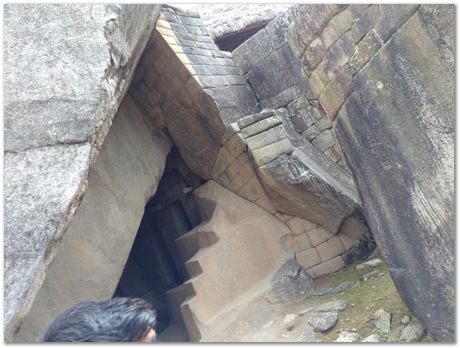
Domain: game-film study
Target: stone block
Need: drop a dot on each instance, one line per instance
(365, 49)
(235, 145)
(316, 84)
(338, 55)
(324, 141)
(223, 160)
(251, 119)
(307, 22)
(348, 242)
(307, 258)
(246, 172)
(235, 184)
(267, 81)
(296, 226)
(333, 154)
(391, 17)
(314, 54)
(330, 249)
(318, 235)
(260, 126)
(311, 133)
(365, 23)
(267, 137)
(265, 203)
(250, 52)
(268, 153)
(326, 267)
(336, 92)
(324, 123)
(252, 190)
(301, 242)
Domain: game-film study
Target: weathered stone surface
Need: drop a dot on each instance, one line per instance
(338, 306)
(330, 249)
(391, 17)
(308, 258)
(250, 246)
(268, 153)
(314, 54)
(303, 184)
(67, 68)
(65, 93)
(324, 141)
(267, 124)
(323, 321)
(412, 333)
(223, 20)
(341, 287)
(268, 82)
(381, 320)
(322, 291)
(365, 23)
(35, 217)
(294, 285)
(370, 263)
(374, 338)
(124, 177)
(336, 92)
(400, 122)
(348, 337)
(311, 133)
(365, 49)
(326, 267)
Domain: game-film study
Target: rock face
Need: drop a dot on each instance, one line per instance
(89, 262)
(223, 20)
(400, 121)
(300, 181)
(323, 321)
(67, 68)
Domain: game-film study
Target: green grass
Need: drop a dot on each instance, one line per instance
(364, 298)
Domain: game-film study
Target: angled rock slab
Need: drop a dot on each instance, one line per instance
(67, 68)
(397, 133)
(300, 181)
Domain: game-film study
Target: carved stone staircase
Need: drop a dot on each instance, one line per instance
(234, 254)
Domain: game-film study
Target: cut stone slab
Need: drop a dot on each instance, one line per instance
(348, 337)
(323, 321)
(338, 306)
(368, 264)
(374, 338)
(341, 287)
(369, 275)
(382, 320)
(412, 333)
(322, 291)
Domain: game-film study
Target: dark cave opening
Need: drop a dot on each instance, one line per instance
(154, 265)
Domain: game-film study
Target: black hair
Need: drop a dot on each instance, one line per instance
(121, 319)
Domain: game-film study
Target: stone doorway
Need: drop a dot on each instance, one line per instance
(154, 266)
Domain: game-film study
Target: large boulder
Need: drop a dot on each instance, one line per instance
(67, 68)
(397, 132)
(226, 19)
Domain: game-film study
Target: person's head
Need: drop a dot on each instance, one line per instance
(121, 319)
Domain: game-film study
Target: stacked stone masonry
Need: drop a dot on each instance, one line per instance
(343, 46)
(185, 76)
(273, 66)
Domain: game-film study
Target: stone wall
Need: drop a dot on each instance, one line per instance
(383, 74)
(183, 75)
(67, 68)
(270, 62)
